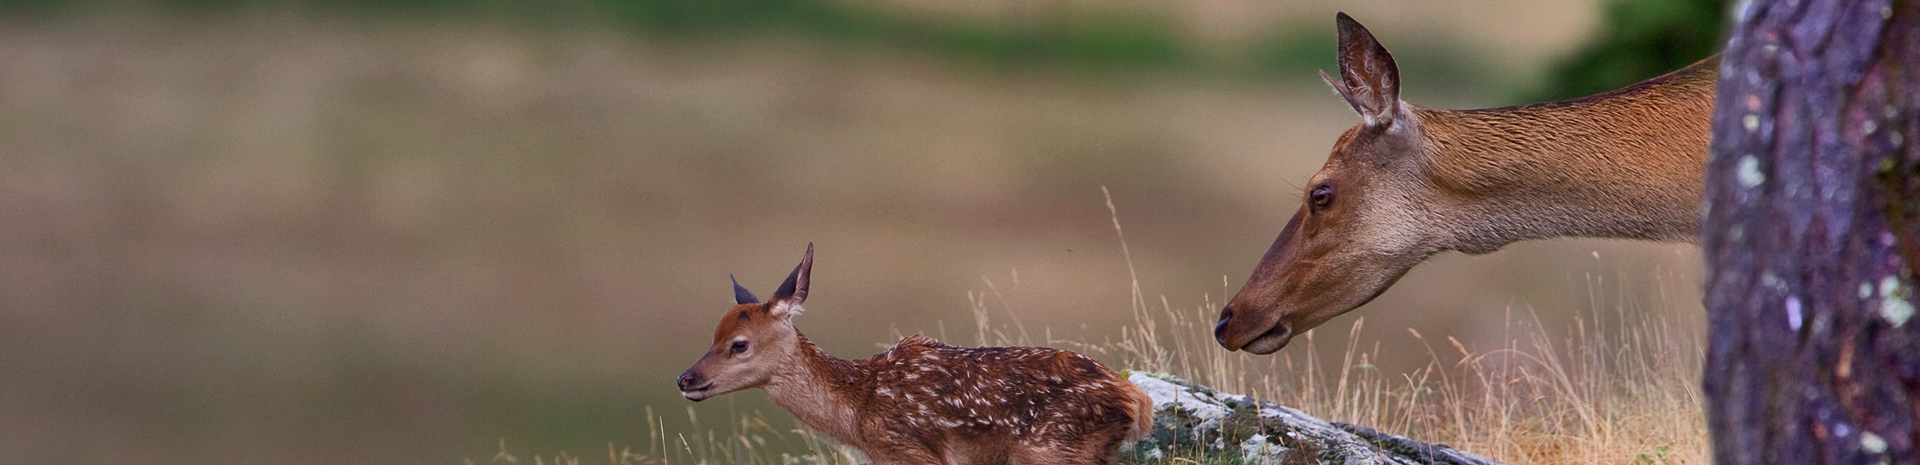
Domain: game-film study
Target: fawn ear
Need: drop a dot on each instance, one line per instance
(786, 301)
(1369, 80)
(740, 294)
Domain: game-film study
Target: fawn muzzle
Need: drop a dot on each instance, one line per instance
(694, 387)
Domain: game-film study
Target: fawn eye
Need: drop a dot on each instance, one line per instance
(738, 347)
(1321, 196)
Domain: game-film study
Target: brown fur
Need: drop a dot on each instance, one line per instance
(926, 402)
(1411, 182)
(1626, 164)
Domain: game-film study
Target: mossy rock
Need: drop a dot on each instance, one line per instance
(1197, 423)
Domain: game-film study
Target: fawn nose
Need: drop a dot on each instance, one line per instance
(1220, 329)
(688, 380)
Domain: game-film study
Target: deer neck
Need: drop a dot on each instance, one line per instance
(816, 388)
(1625, 164)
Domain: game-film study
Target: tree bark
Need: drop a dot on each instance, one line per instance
(1810, 235)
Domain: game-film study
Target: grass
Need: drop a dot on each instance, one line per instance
(1628, 396)
(1592, 397)
(1625, 394)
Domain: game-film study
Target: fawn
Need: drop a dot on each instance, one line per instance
(1410, 182)
(923, 402)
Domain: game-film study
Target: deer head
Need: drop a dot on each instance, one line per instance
(1409, 182)
(1350, 239)
(754, 339)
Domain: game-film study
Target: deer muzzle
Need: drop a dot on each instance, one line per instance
(1233, 334)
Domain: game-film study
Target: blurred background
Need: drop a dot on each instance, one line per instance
(359, 231)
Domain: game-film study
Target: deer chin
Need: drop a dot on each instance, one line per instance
(1271, 341)
(700, 393)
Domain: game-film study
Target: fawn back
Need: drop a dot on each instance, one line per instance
(922, 401)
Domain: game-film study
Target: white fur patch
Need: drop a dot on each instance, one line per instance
(787, 309)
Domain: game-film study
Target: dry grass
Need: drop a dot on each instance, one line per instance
(1619, 397)
(751, 440)
(1624, 394)
(1628, 394)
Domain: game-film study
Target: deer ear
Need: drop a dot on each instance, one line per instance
(1369, 79)
(786, 301)
(740, 294)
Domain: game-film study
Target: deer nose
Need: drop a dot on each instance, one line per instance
(688, 380)
(1220, 329)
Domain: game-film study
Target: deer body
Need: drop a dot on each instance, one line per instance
(1411, 182)
(923, 402)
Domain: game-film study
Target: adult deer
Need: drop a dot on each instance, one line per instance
(923, 402)
(1410, 182)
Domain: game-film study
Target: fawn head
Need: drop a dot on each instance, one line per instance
(753, 341)
(1358, 229)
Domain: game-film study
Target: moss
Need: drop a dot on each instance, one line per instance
(1898, 181)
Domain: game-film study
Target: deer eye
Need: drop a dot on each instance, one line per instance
(738, 347)
(1321, 196)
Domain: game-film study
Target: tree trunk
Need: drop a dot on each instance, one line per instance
(1810, 235)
